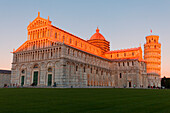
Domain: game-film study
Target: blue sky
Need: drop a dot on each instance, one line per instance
(124, 23)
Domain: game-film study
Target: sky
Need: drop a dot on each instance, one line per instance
(125, 23)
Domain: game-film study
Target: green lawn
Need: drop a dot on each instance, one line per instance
(27, 100)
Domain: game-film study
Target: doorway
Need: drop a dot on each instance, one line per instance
(35, 79)
(130, 84)
(49, 79)
(22, 80)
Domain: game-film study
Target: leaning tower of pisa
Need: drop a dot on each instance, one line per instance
(152, 56)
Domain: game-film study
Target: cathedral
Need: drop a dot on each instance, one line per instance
(52, 56)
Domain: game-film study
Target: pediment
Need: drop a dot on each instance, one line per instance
(38, 22)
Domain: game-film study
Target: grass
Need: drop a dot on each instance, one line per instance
(37, 100)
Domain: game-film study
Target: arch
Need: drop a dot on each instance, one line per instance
(36, 66)
(50, 64)
(23, 71)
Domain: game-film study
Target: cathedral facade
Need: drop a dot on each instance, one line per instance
(52, 56)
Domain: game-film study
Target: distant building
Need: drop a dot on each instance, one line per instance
(54, 56)
(5, 77)
(165, 82)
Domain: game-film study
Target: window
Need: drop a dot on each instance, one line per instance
(120, 75)
(76, 68)
(119, 63)
(132, 53)
(23, 71)
(123, 64)
(50, 69)
(155, 46)
(55, 35)
(111, 56)
(155, 41)
(101, 72)
(76, 43)
(63, 38)
(132, 63)
(117, 55)
(68, 51)
(70, 40)
(127, 63)
(124, 54)
(91, 70)
(84, 69)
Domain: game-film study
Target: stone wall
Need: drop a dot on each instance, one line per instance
(5, 79)
(73, 67)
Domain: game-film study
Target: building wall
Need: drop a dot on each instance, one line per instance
(133, 53)
(131, 71)
(68, 65)
(5, 79)
(154, 80)
(74, 67)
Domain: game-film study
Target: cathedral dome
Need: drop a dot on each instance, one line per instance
(97, 36)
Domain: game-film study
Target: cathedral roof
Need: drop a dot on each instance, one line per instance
(97, 36)
(123, 50)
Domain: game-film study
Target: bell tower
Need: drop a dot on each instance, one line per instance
(152, 57)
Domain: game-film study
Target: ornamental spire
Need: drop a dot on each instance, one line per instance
(97, 30)
(38, 14)
(48, 18)
(151, 31)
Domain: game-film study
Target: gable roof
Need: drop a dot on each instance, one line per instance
(38, 21)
